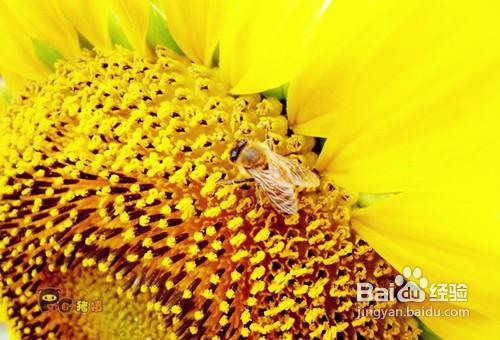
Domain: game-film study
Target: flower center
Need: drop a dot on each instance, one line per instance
(113, 175)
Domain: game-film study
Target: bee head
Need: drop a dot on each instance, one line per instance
(235, 152)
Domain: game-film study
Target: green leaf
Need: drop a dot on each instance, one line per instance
(46, 52)
(158, 32)
(427, 333)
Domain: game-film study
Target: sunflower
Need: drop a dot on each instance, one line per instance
(117, 123)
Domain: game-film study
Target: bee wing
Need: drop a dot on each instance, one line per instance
(279, 191)
(299, 175)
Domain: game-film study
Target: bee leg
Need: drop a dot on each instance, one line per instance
(269, 141)
(259, 199)
(238, 181)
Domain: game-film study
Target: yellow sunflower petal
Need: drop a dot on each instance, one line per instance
(90, 18)
(45, 21)
(17, 54)
(195, 26)
(473, 326)
(3, 314)
(265, 43)
(3, 100)
(6, 329)
(404, 99)
(452, 238)
(13, 81)
(134, 20)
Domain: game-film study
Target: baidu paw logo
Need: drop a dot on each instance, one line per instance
(407, 287)
(411, 291)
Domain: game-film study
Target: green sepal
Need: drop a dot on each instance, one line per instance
(279, 92)
(367, 199)
(116, 33)
(47, 53)
(319, 144)
(158, 32)
(84, 43)
(427, 333)
(5, 93)
(216, 56)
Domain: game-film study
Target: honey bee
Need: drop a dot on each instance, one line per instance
(276, 176)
